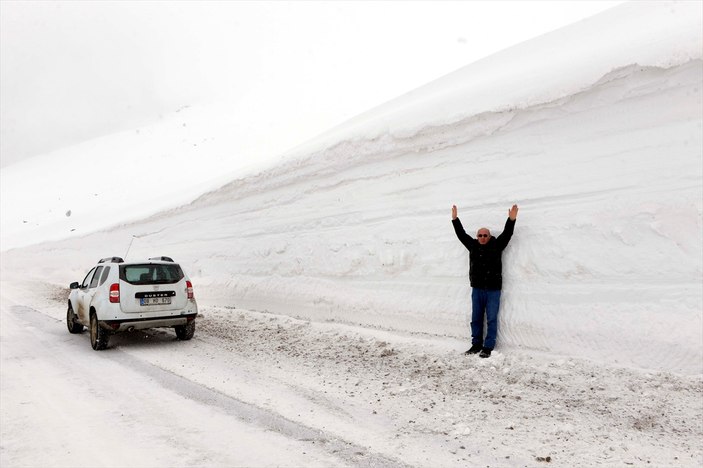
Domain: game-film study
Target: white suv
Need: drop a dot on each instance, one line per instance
(116, 296)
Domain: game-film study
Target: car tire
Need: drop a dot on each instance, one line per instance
(99, 338)
(73, 326)
(185, 332)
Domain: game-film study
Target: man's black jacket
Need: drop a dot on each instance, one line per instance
(485, 264)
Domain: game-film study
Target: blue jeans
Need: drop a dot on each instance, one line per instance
(484, 302)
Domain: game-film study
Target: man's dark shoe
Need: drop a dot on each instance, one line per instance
(485, 352)
(474, 349)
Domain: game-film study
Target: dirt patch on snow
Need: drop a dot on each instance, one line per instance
(518, 407)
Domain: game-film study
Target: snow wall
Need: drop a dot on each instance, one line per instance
(595, 131)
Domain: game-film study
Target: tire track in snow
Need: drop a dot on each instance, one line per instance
(351, 453)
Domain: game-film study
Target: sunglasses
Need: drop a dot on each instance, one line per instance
(482, 235)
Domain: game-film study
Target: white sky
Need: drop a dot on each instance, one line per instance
(71, 71)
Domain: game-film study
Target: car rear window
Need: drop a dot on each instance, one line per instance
(150, 273)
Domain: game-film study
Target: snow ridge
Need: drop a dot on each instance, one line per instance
(550, 67)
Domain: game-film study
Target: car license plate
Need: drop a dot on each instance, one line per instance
(146, 301)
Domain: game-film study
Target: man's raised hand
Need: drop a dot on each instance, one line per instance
(454, 214)
(512, 213)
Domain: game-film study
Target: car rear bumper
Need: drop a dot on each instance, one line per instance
(117, 326)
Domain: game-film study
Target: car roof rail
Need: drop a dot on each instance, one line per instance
(111, 260)
(162, 258)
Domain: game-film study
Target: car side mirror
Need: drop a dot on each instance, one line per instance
(75, 285)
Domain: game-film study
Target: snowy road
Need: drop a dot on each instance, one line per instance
(56, 395)
(256, 389)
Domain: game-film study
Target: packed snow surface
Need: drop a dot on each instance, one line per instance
(334, 277)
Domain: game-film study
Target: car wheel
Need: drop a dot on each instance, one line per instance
(73, 326)
(99, 338)
(185, 332)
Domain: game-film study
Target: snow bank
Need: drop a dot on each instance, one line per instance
(544, 69)
(605, 262)
(595, 132)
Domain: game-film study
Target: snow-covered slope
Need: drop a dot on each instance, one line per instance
(126, 176)
(595, 131)
(552, 66)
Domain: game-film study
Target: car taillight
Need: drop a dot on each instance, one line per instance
(115, 292)
(189, 290)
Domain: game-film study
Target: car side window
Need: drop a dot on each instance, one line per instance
(86, 280)
(96, 277)
(106, 271)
